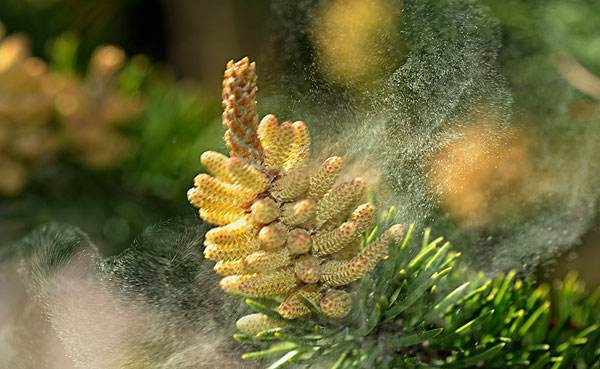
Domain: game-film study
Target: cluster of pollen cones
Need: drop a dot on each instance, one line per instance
(286, 229)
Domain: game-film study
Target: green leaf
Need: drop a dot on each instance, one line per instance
(479, 358)
(476, 292)
(541, 362)
(311, 305)
(588, 330)
(426, 235)
(269, 334)
(261, 308)
(451, 298)
(240, 337)
(338, 363)
(414, 339)
(422, 255)
(395, 295)
(284, 360)
(272, 351)
(374, 317)
(462, 329)
(531, 320)
(424, 281)
(373, 234)
(63, 53)
(416, 291)
(505, 284)
(439, 257)
(408, 236)
(539, 347)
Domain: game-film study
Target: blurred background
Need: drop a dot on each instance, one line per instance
(480, 119)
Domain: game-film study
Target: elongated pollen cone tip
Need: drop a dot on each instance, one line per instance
(233, 161)
(359, 182)
(269, 118)
(348, 228)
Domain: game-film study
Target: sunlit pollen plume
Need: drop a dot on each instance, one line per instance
(372, 173)
(482, 172)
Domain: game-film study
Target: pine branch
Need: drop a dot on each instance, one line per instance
(414, 312)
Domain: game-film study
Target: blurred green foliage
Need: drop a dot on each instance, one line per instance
(134, 23)
(115, 202)
(179, 124)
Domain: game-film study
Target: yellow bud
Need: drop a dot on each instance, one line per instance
(273, 236)
(299, 241)
(298, 212)
(285, 137)
(340, 273)
(308, 269)
(230, 251)
(264, 211)
(363, 216)
(216, 164)
(13, 49)
(339, 199)
(215, 208)
(220, 216)
(231, 233)
(291, 185)
(270, 284)
(267, 134)
(285, 232)
(239, 110)
(378, 249)
(336, 304)
(396, 232)
(247, 175)
(203, 200)
(294, 306)
(264, 261)
(325, 177)
(229, 267)
(300, 148)
(252, 324)
(107, 60)
(329, 242)
(349, 251)
(234, 194)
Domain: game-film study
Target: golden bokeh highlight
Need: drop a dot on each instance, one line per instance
(26, 136)
(44, 113)
(484, 172)
(357, 41)
(93, 111)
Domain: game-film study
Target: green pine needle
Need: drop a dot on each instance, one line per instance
(419, 309)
